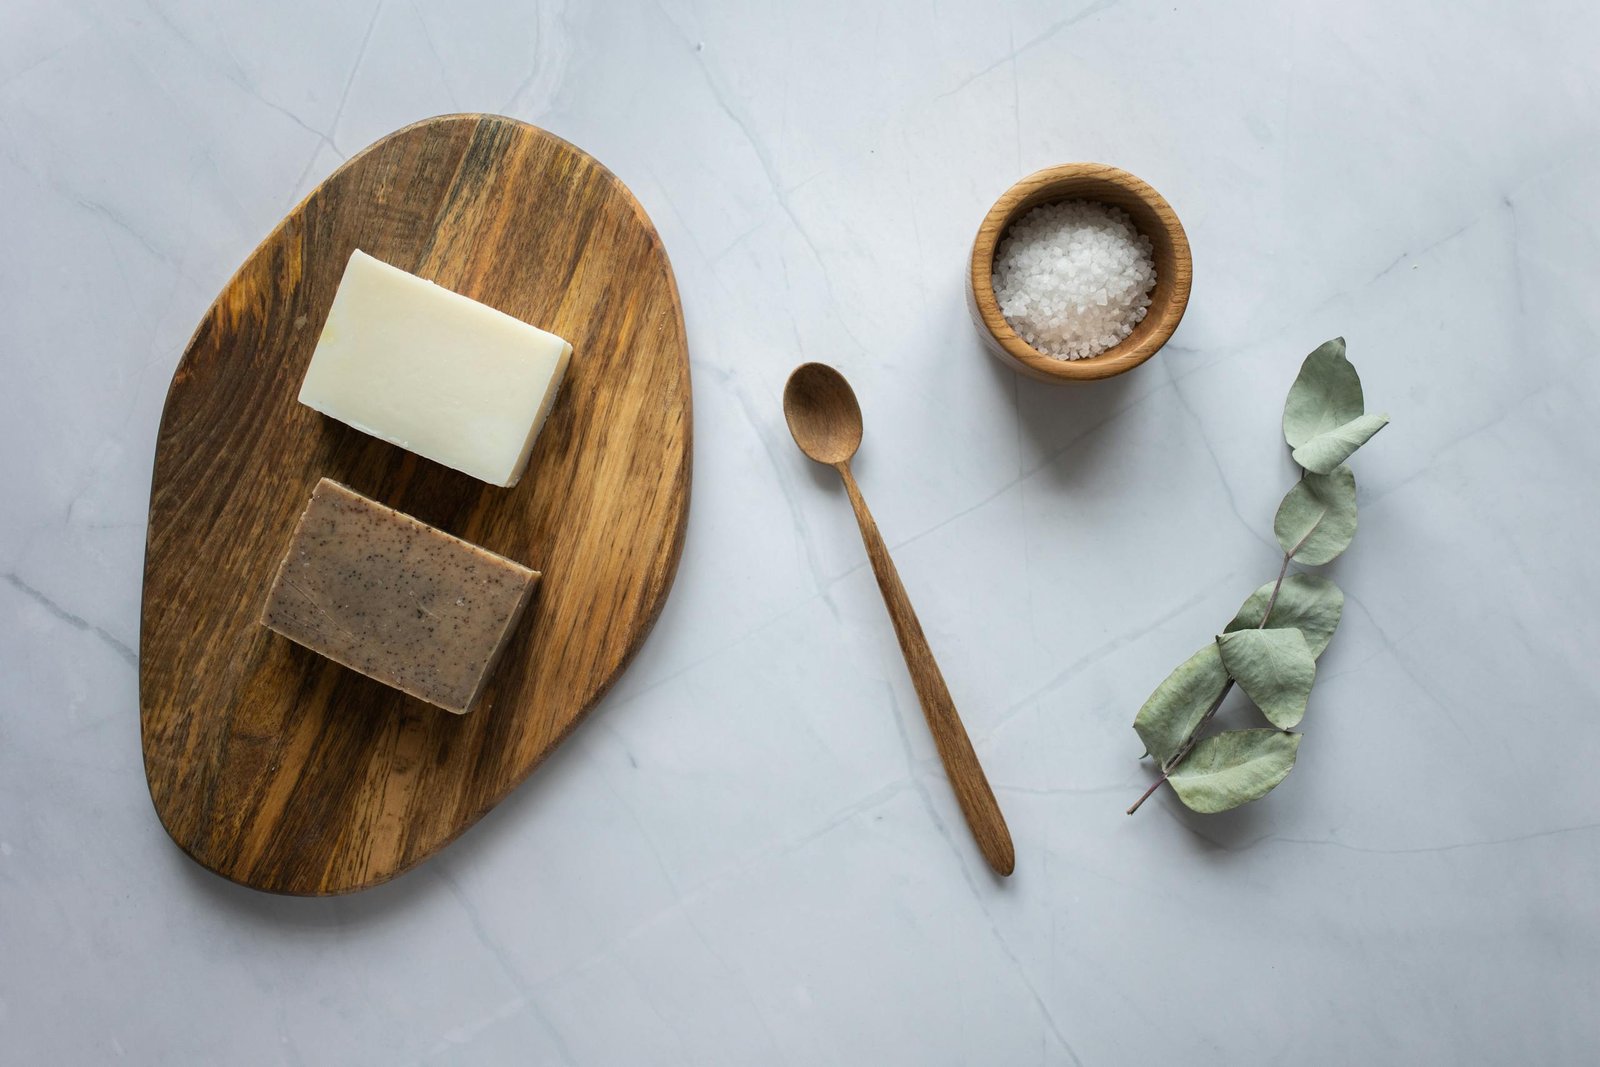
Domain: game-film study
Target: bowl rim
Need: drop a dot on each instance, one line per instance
(1117, 359)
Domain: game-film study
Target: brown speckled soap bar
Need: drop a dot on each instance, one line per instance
(396, 599)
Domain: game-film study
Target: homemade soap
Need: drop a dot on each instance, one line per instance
(396, 599)
(432, 371)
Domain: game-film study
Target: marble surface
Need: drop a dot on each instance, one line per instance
(749, 854)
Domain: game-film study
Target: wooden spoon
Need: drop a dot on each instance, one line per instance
(825, 420)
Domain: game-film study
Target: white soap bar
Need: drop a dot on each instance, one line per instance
(432, 371)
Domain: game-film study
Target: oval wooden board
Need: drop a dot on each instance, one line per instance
(277, 768)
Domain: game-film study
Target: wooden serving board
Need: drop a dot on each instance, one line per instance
(282, 770)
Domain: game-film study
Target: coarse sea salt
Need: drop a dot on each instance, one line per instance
(1073, 278)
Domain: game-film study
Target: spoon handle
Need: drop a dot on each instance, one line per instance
(955, 749)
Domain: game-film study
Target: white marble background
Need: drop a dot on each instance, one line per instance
(749, 854)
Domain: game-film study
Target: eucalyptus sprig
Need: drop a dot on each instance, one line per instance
(1270, 648)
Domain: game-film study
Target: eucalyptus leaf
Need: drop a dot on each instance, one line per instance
(1179, 703)
(1317, 518)
(1327, 450)
(1325, 395)
(1275, 669)
(1270, 648)
(1226, 770)
(1308, 602)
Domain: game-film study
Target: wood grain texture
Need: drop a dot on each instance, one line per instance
(277, 768)
(1153, 217)
(961, 764)
(825, 419)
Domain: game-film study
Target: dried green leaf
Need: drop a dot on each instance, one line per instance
(1317, 518)
(1275, 669)
(1179, 703)
(1327, 450)
(1308, 602)
(1229, 769)
(1325, 395)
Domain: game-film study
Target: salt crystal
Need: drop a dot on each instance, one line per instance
(1074, 278)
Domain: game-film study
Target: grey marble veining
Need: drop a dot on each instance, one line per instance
(749, 854)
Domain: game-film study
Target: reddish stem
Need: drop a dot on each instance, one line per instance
(1194, 735)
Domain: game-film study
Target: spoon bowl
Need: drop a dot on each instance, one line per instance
(822, 413)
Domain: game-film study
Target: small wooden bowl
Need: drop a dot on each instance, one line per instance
(1154, 218)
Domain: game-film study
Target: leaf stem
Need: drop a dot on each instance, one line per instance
(1283, 572)
(1194, 735)
(1184, 749)
(1148, 792)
